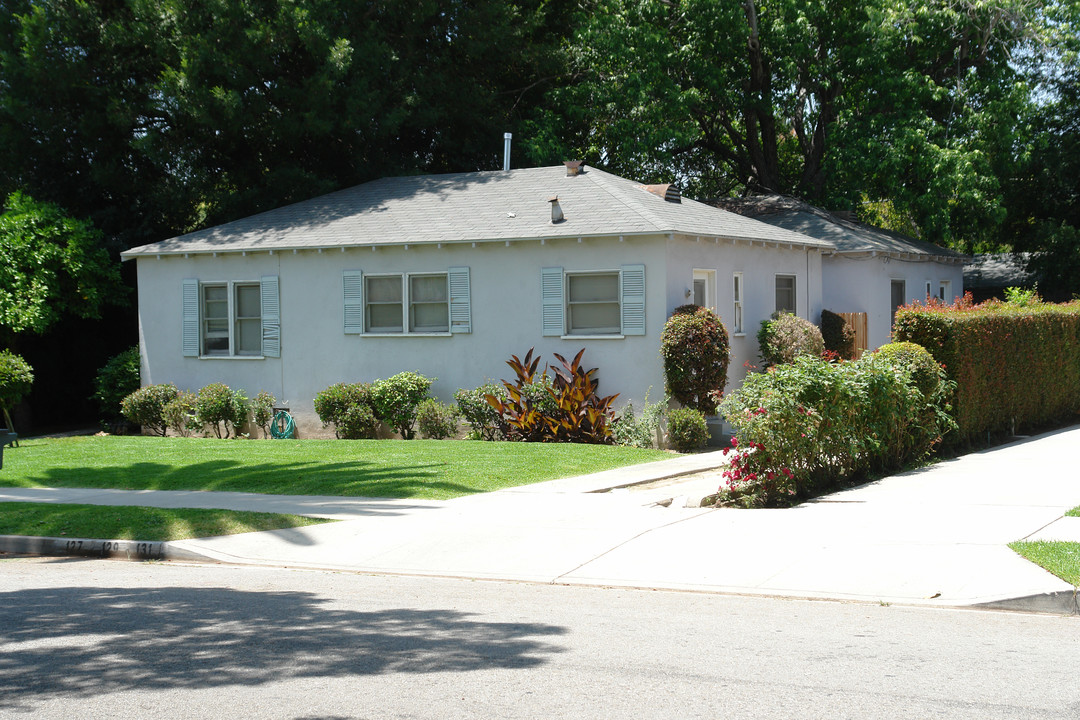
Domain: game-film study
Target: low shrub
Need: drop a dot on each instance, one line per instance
(395, 400)
(687, 429)
(437, 421)
(638, 431)
(223, 409)
(262, 411)
(339, 404)
(179, 414)
(567, 410)
(146, 406)
(478, 412)
(786, 337)
(837, 335)
(16, 379)
(1014, 365)
(357, 422)
(117, 379)
(695, 349)
(810, 424)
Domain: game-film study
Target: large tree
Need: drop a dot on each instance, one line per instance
(831, 100)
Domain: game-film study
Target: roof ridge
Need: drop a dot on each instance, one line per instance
(605, 181)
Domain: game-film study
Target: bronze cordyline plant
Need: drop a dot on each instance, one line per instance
(572, 411)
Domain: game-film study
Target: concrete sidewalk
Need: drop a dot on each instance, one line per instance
(936, 536)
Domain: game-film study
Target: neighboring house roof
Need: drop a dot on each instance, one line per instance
(849, 237)
(998, 270)
(474, 207)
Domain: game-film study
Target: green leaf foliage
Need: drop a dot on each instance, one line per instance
(786, 337)
(16, 378)
(222, 408)
(146, 407)
(262, 411)
(348, 407)
(437, 421)
(687, 429)
(117, 379)
(810, 424)
(478, 412)
(51, 265)
(1014, 366)
(695, 349)
(396, 399)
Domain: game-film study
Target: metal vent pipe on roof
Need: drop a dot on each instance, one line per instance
(556, 211)
(506, 151)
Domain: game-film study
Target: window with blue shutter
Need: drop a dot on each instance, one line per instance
(190, 326)
(460, 300)
(271, 316)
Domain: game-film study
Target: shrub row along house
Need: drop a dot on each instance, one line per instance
(448, 275)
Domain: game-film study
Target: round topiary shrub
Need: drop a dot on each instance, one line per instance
(16, 378)
(687, 429)
(695, 349)
(786, 337)
(358, 422)
(917, 361)
(146, 407)
(348, 407)
(179, 414)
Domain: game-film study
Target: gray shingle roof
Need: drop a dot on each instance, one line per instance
(847, 236)
(476, 207)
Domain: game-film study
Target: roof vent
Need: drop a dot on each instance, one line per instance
(556, 211)
(573, 167)
(666, 191)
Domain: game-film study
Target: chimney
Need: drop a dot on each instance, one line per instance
(506, 151)
(573, 167)
(556, 211)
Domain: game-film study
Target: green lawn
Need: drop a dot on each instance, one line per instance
(1060, 558)
(98, 522)
(430, 469)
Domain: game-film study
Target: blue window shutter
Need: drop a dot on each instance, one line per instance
(190, 302)
(460, 301)
(353, 285)
(271, 316)
(632, 286)
(551, 292)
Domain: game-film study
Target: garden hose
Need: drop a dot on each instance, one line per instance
(283, 426)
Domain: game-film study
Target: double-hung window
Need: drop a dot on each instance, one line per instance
(593, 303)
(231, 319)
(737, 310)
(429, 303)
(785, 294)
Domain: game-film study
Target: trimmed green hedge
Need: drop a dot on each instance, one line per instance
(1011, 364)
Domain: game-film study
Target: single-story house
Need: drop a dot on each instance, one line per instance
(449, 275)
(869, 270)
(987, 275)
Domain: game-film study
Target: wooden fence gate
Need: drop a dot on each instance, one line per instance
(857, 322)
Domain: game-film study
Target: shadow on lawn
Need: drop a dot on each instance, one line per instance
(348, 479)
(83, 642)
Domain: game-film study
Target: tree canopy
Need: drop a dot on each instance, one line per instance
(956, 121)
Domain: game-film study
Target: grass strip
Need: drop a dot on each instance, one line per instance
(111, 522)
(428, 469)
(1060, 558)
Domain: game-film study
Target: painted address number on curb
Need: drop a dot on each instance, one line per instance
(109, 548)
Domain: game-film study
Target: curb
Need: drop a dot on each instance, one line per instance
(86, 547)
(1062, 602)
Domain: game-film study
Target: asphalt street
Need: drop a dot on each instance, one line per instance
(102, 639)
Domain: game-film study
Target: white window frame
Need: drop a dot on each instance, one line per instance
(893, 282)
(615, 330)
(945, 291)
(554, 302)
(737, 303)
(929, 291)
(233, 319)
(794, 292)
(708, 278)
(407, 304)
